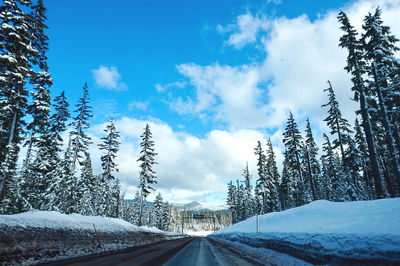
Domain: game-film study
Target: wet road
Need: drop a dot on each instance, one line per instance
(186, 251)
(202, 251)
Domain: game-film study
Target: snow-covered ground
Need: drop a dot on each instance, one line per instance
(37, 236)
(199, 233)
(56, 220)
(324, 231)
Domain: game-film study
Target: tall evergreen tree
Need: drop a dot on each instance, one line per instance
(312, 165)
(332, 171)
(15, 65)
(147, 177)
(110, 147)
(273, 173)
(356, 66)
(368, 184)
(54, 141)
(157, 219)
(262, 184)
(288, 185)
(86, 188)
(231, 201)
(40, 79)
(293, 144)
(337, 123)
(380, 47)
(248, 199)
(80, 123)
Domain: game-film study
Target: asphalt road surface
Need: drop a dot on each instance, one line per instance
(185, 252)
(202, 251)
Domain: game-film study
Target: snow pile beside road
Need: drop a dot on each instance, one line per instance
(38, 236)
(56, 220)
(325, 231)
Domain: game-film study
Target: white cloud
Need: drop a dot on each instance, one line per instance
(139, 105)
(188, 167)
(108, 78)
(176, 84)
(231, 94)
(300, 56)
(245, 29)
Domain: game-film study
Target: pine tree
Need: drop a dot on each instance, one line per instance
(380, 47)
(86, 188)
(313, 172)
(332, 172)
(157, 213)
(40, 79)
(115, 199)
(337, 123)
(248, 199)
(356, 66)
(231, 201)
(68, 199)
(273, 173)
(239, 203)
(368, 185)
(80, 123)
(293, 144)
(288, 186)
(354, 183)
(262, 184)
(110, 147)
(136, 209)
(166, 216)
(147, 175)
(56, 165)
(15, 65)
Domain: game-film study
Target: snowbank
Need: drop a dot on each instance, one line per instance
(39, 236)
(324, 231)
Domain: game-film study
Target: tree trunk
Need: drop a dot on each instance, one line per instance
(388, 130)
(369, 137)
(310, 175)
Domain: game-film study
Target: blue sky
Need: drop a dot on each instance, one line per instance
(214, 76)
(145, 41)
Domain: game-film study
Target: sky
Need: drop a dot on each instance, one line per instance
(211, 78)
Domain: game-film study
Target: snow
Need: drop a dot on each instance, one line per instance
(263, 255)
(199, 233)
(41, 236)
(360, 229)
(56, 220)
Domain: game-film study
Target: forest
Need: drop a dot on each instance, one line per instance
(355, 162)
(52, 176)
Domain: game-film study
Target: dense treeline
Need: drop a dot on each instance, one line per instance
(359, 162)
(52, 176)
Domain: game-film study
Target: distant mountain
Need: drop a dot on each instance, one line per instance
(193, 206)
(197, 206)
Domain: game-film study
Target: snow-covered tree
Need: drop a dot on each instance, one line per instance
(157, 219)
(80, 123)
(248, 200)
(16, 55)
(147, 177)
(356, 66)
(339, 126)
(274, 177)
(293, 144)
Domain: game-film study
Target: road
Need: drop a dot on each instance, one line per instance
(186, 251)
